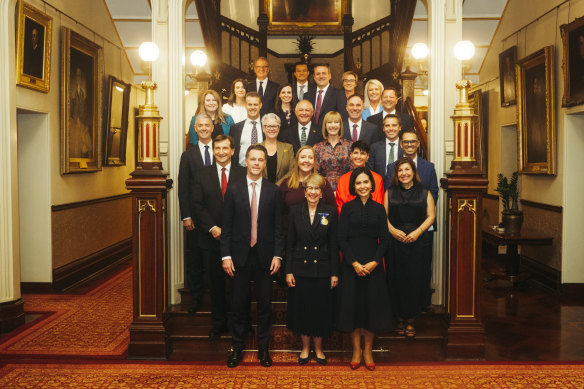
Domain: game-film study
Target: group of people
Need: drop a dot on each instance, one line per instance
(341, 206)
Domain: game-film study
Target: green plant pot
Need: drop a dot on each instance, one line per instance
(512, 222)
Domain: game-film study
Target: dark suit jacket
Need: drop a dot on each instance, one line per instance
(378, 158)
(427, 174)
(236, 230)
(312, 249)
(333, 100)
(290, 135)
(208, 202)
(368, 132)
(311, 89)
(377, 119)
(235, 132)
(270, 94)
(190, 166)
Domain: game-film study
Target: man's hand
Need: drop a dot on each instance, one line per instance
(275, 266)
(228, 267)
(216, 232)
(334, 281)
(290, 280)
(188, 224)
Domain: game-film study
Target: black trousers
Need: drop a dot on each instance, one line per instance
(194, 267)
(212, 261)
(241, 300)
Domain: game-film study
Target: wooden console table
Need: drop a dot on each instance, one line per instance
(512, 241)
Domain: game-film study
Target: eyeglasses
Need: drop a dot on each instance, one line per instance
(349, 80)
(271, 127)
(409, 142)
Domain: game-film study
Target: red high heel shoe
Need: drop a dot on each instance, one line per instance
(354, 365)
(370, 366)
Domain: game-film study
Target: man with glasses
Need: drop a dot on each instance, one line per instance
(349, 79)
(388, 150)
(264, 87)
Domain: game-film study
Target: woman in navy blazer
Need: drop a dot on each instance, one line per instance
(312, 268)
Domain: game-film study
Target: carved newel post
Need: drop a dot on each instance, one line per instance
(464, 185)
(149, 185)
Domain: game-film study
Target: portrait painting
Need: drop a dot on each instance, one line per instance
(291, 17)
(33, 48)
(573, 44)
(117, 122)
(507, 60)
(537, 131)
(81, 74)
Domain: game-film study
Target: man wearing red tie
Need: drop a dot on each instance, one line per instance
(251, 248)
(208, 193)
(325, 98)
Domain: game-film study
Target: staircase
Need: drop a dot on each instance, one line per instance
(188, 336)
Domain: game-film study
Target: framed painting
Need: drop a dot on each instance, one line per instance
(33, 52)
(81, 80)
(295, 17)
(116, 129)
(573, 43)
(536, 114)
(507, 60)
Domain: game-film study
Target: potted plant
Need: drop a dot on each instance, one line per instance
(305, 46)
(511, 215)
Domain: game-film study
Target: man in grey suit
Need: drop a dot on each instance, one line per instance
(355, 127)
(388, 150)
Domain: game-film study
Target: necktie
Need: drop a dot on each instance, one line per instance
(318, 105)
(261, 90)
(223, 182)
(391, 156)
(254, 216)
(207, 156)
(303, 137)
(355, 137)
(301, 94)
(254, 133)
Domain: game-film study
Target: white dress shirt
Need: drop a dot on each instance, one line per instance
(298, 89)
(258, 188)
(307, 126)
(264, 84)
(394, 112)
(350, 129)
(316, 95)
(245, 140)
(202, 148)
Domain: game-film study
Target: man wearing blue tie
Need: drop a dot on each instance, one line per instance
(191, 163)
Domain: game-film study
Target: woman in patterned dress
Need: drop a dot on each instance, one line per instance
(333, 153)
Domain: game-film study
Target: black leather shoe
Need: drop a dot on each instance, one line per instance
(303, 361)
(321, 361)
(264, 357)
(235, 357)
(216, 333)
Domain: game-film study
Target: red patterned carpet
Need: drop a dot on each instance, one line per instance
(91, 325)
(168, 375)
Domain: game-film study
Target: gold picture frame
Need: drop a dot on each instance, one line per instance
(536, 113)
(573, 44)
(117, 123)
(294, 17)
(33, 53)
(81, 83)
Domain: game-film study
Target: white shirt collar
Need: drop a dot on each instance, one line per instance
(307, 125)
(358, 123)
(258, 182)
(227, 167)
(323, 90)
(394, 112)
(387, 142)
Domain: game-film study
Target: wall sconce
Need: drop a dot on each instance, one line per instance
(464, 51)
(199, 60)
(420, 52)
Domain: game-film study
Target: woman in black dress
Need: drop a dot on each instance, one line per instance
(363, 295)
(410, 210)
(312, 267)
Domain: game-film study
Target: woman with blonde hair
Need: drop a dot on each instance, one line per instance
(372, 103)
(333, 153)
(209, 102)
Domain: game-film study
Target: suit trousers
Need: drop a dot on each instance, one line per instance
(212, 261)
(194, 267)
(241, 300)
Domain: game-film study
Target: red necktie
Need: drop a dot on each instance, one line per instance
(223, 182)
(254, 216)
(354, 133)
(318, 105)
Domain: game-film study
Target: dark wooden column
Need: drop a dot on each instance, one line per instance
(263, 22)
(347, 23)
(149, 185)
(465, 185)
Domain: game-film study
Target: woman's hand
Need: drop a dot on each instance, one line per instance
(399, 235)
(370, 266)
(360, 269)
(413, 236)
(334, 281)
(290, 280)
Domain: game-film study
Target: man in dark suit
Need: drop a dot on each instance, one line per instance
(301, 85)
(209, 188)
(388, 102)
(251, 247)
(325, 98)
(355, 128)
(263, 86)
(249, 131)
(388, 150)
(192, 162)
(305, 132)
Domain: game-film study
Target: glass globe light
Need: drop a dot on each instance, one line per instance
(148, 51)
(420, 51)
(464, 50)
(198, 58)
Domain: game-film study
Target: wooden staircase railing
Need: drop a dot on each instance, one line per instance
(239, 44)
(420, 131)
(370, 45)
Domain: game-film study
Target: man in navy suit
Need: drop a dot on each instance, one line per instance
(355, 128)
(388, 150)
(325, 98)
(210, 187)
(192, 162)
(251, 248)
(302, 85)
(263, 86)
(305, 131)
(389, 101)
(249, 131)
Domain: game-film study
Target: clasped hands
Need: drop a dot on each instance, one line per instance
(409, 238)
(364, 270)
